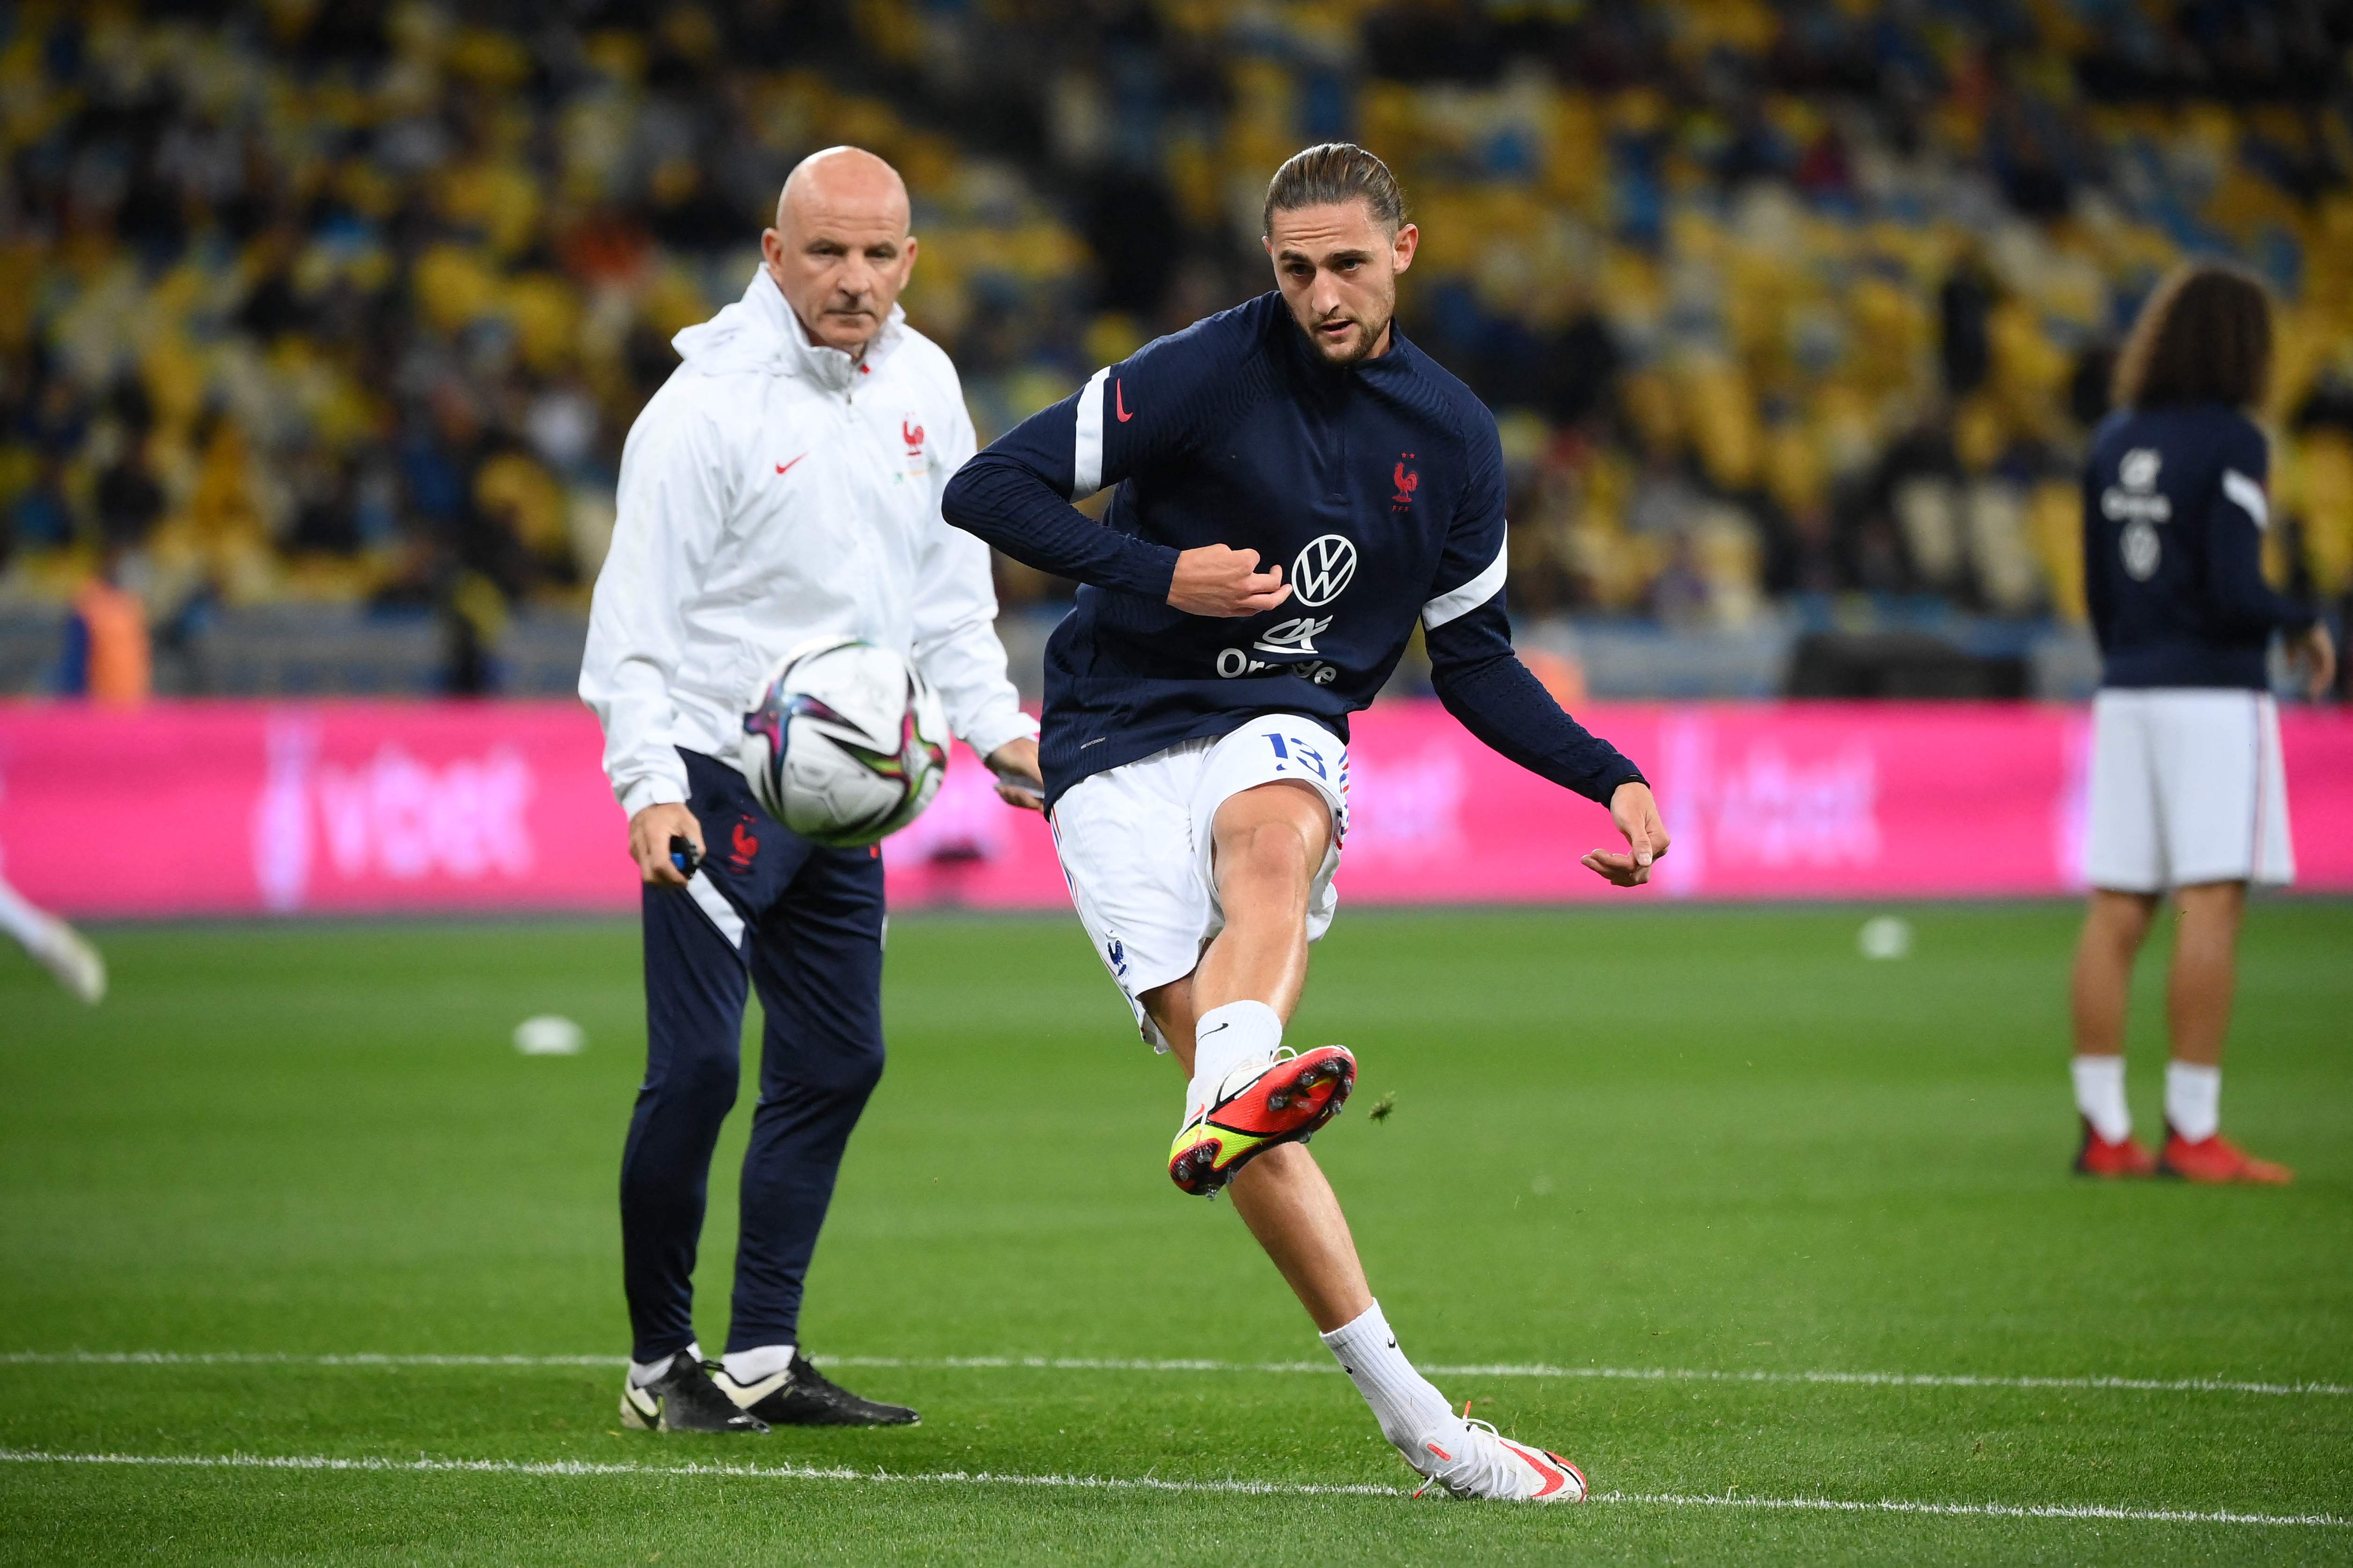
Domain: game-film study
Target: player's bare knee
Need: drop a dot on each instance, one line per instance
(1276, 832)
(1273, 850)
(2212, 900)
(2123, 918)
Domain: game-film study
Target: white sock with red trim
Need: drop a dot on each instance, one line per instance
(2193, 1099)
(1223, 1039)
(2100, 1096)
(1404, 1401)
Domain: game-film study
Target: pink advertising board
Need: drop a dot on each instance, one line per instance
(351, 807)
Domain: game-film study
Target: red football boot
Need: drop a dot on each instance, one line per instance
(2123, 1160)
(1259, 1105)
(2217, 1160)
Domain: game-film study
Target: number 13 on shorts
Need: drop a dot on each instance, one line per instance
(1290, 750)
(1295, 748)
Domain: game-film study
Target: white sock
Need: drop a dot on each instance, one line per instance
(2100, 1096)
(1403, 1401)
(21, 920)
(1223, 1039)
(2193, 1099)
(748, 1367)
(643, 1372)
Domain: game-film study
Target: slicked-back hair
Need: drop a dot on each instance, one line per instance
(2205, 336)
(1331, 174)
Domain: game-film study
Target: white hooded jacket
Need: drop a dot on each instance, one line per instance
(773, 492)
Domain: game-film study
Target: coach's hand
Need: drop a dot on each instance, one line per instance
(1216, 581)
(1637, 816)
(2316, 651)
(1019, 781)
(650, 832)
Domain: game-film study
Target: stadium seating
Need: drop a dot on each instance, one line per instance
(1789, 311)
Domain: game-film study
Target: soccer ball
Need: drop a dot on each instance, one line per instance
(844, 743)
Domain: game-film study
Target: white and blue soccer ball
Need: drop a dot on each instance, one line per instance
(845, 742)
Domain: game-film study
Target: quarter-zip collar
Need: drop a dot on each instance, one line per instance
(825, 365)
(1337, 381)
(759, 332)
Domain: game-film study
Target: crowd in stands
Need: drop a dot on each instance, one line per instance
(1779, 305)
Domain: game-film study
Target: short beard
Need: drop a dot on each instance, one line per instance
(1366, 341)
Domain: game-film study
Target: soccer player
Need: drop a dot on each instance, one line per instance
(1198, 702)
(782, 485)
(2186, 787)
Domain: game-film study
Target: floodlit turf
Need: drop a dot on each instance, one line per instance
(1696, 1140)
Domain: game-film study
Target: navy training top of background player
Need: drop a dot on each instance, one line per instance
(2174, 513)
(1378, 487)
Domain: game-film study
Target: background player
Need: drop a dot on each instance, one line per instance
(765, 500)
(1196, 706)
(2187, 791)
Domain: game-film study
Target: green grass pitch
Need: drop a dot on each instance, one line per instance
(1710, 1141)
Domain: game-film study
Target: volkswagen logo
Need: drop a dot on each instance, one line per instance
(1323, 569)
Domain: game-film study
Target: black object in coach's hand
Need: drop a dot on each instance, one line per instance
(684, 855)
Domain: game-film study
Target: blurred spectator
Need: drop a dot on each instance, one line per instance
(107, 656)
(129, 501)
(355, 301)
(1962, 304)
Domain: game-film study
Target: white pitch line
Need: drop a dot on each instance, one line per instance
(1983, 1510)
(1115, 1364)
(753, 1472)
(285, 1358)
(1228, 1487)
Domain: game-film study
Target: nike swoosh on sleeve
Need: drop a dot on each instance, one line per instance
(1119, 403)
(783, 467)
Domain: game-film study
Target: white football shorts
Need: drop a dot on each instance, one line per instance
(2186, 787)
(1136, 846)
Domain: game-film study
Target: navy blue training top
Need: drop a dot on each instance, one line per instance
(1377, 487)
(2174, 511)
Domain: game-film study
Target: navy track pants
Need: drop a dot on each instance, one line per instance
(802, 925)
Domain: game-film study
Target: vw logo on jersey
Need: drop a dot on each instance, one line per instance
(1323, 569)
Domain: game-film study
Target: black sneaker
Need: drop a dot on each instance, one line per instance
(683, 1399)
(800, 1395)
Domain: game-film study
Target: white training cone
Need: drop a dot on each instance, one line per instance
(550, 1034)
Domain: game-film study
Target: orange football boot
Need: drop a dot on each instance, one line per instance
(2217, 1160)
